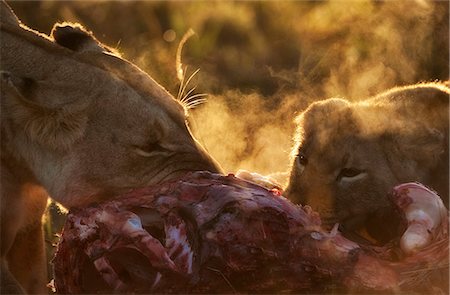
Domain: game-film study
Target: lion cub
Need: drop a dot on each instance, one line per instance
(348, 156)
(80, 124)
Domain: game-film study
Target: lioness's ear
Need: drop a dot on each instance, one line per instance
(56, 128)
(76, 38)
(7, 16)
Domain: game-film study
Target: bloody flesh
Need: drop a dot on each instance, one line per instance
(207, 233)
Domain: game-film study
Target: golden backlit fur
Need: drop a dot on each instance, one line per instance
(348, 156)
(80, 124)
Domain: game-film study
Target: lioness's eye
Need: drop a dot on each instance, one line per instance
(149, 150)
(153, 146)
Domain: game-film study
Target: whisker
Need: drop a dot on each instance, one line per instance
(193, 106)
(193, 98)
(187, 94)
(181, 87)
(195, 103)
(179, 64)
(179, 69)
(189, 80)
(185, 98)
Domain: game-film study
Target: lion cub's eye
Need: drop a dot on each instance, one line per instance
(301, 162)
(349, 173)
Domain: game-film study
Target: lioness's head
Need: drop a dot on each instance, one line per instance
(86, 122)
(348, 156)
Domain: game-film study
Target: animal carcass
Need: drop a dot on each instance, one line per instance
(207, 233)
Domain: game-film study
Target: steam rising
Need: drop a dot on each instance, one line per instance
(246, 132)
(353, 52)
(264, 62)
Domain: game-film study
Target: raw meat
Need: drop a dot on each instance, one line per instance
(207, 233)
(423, 214)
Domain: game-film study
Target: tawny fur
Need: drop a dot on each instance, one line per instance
(348, 156)
(79, 124)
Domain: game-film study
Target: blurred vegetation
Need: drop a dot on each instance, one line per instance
(263, 62)
(316, 47)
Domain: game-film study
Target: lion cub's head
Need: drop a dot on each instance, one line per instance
(86, 122)
(348, 156)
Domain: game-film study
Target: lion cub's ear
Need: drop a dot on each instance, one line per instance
(56, 127)
(76, 38)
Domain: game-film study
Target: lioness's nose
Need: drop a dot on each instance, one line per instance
(210, 163)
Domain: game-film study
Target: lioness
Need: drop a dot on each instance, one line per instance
(348, 156)
(80, 123)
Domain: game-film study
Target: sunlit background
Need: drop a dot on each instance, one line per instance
(261, 63)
